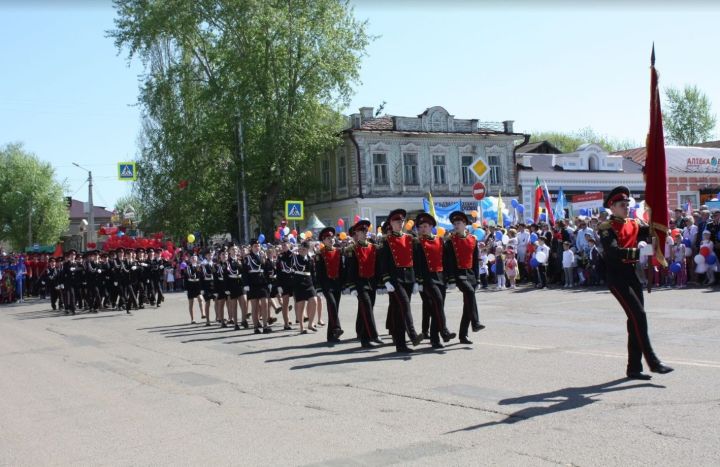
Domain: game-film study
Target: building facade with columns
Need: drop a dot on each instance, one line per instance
(590, 169)
(391, 162)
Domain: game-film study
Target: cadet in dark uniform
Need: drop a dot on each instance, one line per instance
(303, 288)
(192, 280)
(398, 275)
(428, 263)
(284, 274)
(257, 270)
(619, 236)
(329, 271)
(69, 279)
(460, 262)
(220, 286)
(93, 280)
(361, 267)
(127, 293)
(234, 270)
(206, 284)
(49, 280)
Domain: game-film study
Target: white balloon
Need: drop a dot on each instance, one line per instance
(490, 258)
(699, 259)
(540, 256)
(505, 239)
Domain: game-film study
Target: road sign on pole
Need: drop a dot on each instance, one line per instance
(127, 171)
(478, 190)
(479, 168)
(294, 210)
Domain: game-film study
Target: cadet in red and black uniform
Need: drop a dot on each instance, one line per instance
(460, 261)
(329, 272)
(360, 267)
(398, 275)
(428, 262)
(619, 236)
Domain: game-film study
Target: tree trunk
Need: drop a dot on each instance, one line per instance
(267, 210)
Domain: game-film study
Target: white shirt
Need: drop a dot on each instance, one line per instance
(568, 258)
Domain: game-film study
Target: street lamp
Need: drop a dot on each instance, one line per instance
(91, 214)
(29, 216)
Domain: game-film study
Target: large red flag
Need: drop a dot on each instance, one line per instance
(656, 170)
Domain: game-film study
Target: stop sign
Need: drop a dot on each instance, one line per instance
(478, 190)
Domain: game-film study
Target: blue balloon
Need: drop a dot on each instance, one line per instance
(543, 217)
(514, 204)
(687, 242)
(675, 268)
(529, 221)
(434, 230)
(711, 259)
(534, 263)
(293, 240)
(498, 235)
(583, 212)
(121, 233)
(480, 234)
(261, 238)
(533, 237)
(338, 228)
(520, 209)
(492, 268)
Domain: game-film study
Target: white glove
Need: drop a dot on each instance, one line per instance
(246, 288)
(451, 286)
(420, 288)
(353, 293)
(133, 268)
(115, 283)
(162, 267)
(389, 287)
(280, 291)
(346, 291)
(415, 289)
(269, 287)
(642, 245)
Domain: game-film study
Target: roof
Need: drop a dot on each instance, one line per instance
(385, 122)
(539, 147)
(708, 144)
(77, 211)
(543, 163)
(682, 158)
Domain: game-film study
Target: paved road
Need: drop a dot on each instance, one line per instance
(542, 385)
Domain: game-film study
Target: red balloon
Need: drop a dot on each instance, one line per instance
(357, 219)
(705, 251)
(294, 232)
(91, 245)
(277, 235)
(341, 222)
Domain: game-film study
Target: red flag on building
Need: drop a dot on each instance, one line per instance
(656, 170)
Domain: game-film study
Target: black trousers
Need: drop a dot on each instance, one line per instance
(54, 296)
(401, 320)
(433, 306)
(365, 321)
(332, 297)
(628, 291)
(69, 297)
(542, 275)
(127, 295)
(157, 290)
(470, 309)
(92, 296)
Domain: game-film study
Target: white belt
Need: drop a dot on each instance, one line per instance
(302, 273)
(255, 272)
(234, 276)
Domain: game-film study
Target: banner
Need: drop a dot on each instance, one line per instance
(442, 214)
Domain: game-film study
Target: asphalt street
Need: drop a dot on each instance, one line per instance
(543, 384)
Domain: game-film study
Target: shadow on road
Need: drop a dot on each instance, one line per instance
(561, 400)
(369, 356)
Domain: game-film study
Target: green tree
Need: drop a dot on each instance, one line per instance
(569, 142)
(280, 68)
(31, 201)
(687, 116)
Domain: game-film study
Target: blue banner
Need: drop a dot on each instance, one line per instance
(442, 214)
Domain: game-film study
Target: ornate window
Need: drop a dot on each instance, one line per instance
(342, 172)
(494, 159)
(380, 168)
(439, 169)
(325, 174)
(468, 177)
(410, 168)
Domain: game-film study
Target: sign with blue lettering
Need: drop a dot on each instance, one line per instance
(127, 171)
(294, 210)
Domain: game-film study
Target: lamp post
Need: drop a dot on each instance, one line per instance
(91, 214)
(29, 217)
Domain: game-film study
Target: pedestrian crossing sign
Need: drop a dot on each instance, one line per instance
(294, 210)
(127, 171)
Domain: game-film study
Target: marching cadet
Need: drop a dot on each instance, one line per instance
(398, 275)
(143, 277)
(111, 279)
(284, 274)
(361, 265)
(69, 279)
(257, 269)
(460, 262)
(619, 236)
(105, 279)
(329, 271)
(124, 271)
(234, 269)
(157, 267)
(50, 281)
(192, 278)
(206, 283)
(428, 263)
(221, 287)
(93, 278)
(303, 288)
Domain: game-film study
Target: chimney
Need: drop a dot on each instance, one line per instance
(366, 113)
(508, 126)
(355, 121)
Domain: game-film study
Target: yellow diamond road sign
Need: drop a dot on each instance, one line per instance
(479, 168)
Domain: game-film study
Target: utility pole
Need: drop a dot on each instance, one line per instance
(30, 222)
(241, 192)
(91, 214)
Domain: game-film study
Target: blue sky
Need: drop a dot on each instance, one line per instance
(67, 95)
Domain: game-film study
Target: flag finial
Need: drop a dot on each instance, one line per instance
(652, 55)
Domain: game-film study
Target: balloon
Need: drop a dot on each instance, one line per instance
(583, 212)
(687, 242)
(292, 239)
(91, 245)
(277, 235)
(514, 203)
(699, 259)
(476, 225)
(492, 268)
(286, 230)
(302, 236)
(342, 236)
(712, 259)
(480, 234)
(505, 239)
(474, 213)
(294, 232)
(183, 265)
(191, 238)
(520, 209)
(675, 268)
(705, 251)
(534, 263)
(121, 234)
(533, 237)
(541, 256)
(490, 258)
(340, 222)
(543, 217)
(441, 231)
(308, 234)
(357, 219)
(261, 238)
(498, 235)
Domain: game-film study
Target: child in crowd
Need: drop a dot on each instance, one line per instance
(483, 269)
(678, 256)
(709, 268)
(500, 268)
(568, 259)
(511, 267)
(593, 267)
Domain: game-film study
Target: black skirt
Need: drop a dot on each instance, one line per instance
(303, 289)
(193, 289)
(258, 291)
